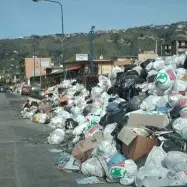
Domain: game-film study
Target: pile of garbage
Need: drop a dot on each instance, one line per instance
(130, 128)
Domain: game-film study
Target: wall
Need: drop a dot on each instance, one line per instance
(29, 66)
(143, 57)
(104, 69)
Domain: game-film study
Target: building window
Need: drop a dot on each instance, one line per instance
(179, 43)
(169, 47)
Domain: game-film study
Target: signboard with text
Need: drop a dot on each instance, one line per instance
(81, 57)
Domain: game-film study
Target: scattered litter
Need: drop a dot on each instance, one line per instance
(130, 126)
(88, 180)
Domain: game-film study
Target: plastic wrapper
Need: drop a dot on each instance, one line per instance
(56, 137)
(183, 102)
(92, 166)
(176, 161)
(115, 159)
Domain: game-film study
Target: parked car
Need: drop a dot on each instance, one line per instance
(25, 90)
(3, 89)
(36, 93)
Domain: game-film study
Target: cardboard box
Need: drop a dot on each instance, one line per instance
(136, 146)
(140, 147)
(46, 107)
(84, 148)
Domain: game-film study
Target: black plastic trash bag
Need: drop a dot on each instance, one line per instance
(143, 74)
(185, 64)
(145, 63)
(175, 112)
(151, 78)
(129, 67)
(109, 118)
(70, 124)
(127, 89)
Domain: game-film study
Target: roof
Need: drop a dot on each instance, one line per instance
(69, 69)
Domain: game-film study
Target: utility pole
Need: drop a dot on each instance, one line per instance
(92, 68)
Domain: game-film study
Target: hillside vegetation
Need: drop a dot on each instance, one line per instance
(108, 43)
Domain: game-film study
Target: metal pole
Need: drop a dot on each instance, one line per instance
(40, 76)
(91, 53)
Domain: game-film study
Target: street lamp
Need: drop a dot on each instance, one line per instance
(92, 50)
(62, 20)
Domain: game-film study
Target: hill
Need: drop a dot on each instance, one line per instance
(108, 43)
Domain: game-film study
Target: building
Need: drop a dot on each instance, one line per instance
(179, 46)
(30, 67)
(166, 49)
(147, 55)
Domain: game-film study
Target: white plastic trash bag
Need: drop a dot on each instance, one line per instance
(92, 167)
(104, 82)
(174, 99)
(180, 72)
(162, 102)
(149, 103)
(158, 64)
(96, 92)
(183, 113)
(125, 172)
(105, 148)
(165, 78)
(153, 169)
(56, 137)
(180, 126)
(76, 110)
(108, 130)
(176, 161)
(179, 86)
(43, 118)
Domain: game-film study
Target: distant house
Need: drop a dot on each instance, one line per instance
(179, 46)
(167, 49)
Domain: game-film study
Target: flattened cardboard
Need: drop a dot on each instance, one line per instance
(140, 120)
(127, 135)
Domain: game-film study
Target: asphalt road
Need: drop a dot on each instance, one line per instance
(24, 157)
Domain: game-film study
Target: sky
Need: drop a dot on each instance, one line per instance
(19, 18)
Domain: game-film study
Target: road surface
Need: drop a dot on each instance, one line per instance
(24, 157)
